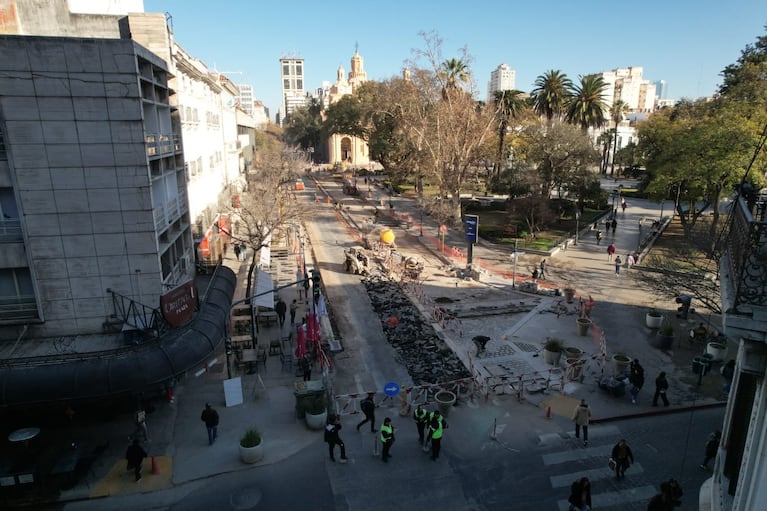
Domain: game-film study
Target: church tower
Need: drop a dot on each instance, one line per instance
(357, 75)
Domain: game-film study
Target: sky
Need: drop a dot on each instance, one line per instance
(686, 43)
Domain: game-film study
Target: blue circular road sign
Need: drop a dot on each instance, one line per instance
(391, 389)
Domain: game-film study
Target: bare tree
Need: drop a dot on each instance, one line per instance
(269, 205)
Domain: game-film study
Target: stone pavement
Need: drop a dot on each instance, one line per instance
(179, 440)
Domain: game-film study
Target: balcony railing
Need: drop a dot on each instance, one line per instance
(18, 308)
(747, 251)
(10, 231)
(160, 144)
(169, 212)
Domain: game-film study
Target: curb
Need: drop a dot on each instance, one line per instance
(661, 411)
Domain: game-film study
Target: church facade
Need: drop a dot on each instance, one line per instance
(348, 150)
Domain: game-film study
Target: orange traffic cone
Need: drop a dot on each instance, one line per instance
(155, 468)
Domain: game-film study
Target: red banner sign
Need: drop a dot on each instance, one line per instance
(179, 304)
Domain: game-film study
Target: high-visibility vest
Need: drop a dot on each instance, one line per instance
(384, 430)
(419, 415)
(437, 433)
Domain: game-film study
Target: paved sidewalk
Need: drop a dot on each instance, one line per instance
(178, 435)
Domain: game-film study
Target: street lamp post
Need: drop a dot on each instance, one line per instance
(514, 256)
(577, 221)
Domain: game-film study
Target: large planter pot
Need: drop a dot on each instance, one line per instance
(653, 321)
(569, 294)
(571, 352)
(445, 401)
(583, 326)
(620, 364)
(316, 421)
(717, 350)
(551, 357)
(252, 454)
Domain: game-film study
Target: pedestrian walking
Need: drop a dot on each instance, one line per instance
(306, 286)
(281, 308)
(135, 455)
(712, 446)
(543, 269)
(610, 251)
(237, 251)
(293, 309)
(535, 274)
(623, 458)
(210, 417)
(421, 417)
(599, 236)
(630, 261)
(437, 425)
(368, 407)
(580, 495)
(636, 378)
(623, 205)
(332, 430)
(614, 225)
(387, 439)
(581, 416)
(661, 386)
(618, 263)
(305, 364)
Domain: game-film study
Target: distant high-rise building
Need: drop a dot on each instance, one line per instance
(627, 85)
(292, 74)
(661, 89)
(502, 78)
(246, 97)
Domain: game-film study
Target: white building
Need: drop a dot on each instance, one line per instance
(628, 85)
(502, 78)
(292, 83)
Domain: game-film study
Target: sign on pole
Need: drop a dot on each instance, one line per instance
(472, 228)
(391, 389)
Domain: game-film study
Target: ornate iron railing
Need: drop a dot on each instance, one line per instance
(748, 250)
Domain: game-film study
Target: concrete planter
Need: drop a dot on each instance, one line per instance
(252, 454)
(653, 321)
(717, 350)
(620, 364)
(571, 352)
(316, 422)
(445, 401)
(582, 324)
(551, 357)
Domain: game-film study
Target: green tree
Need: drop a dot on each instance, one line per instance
(587, 106)
(304, 126)
(344, 117)
(551, 94)
(455, 73)
(508, 105)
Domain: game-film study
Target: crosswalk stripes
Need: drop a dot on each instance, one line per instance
(566, 456)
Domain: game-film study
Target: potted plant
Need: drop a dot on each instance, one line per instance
(251, 448)
(569, 294)
(654, 318)
(552, 350)
(316, 411)
(666, 335)
(621, 363)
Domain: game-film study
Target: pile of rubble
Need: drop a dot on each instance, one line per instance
(425, 356)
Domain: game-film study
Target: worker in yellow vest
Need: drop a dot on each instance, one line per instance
(387, 438)
(421, 417)
(437, 425)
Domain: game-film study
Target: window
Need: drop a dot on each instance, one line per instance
(299, 70)
(285, 69)
(3, 154)
(299, 84)
(286, 83)
(17, 296)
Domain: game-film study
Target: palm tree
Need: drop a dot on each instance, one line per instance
(587, 107)
(455, 72)
(551, 94)
(508, 104)
(617, 111)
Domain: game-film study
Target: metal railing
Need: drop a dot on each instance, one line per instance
(10, 231)
(747, 242)
(18, 308)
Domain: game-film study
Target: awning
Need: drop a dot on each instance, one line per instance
(264, 287)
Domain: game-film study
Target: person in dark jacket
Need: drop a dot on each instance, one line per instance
(332, 430)
(623, 458)
(135, 456)
(580, 495)
(421, 417)
(661, 386)
(712, 446)
(210, 417)
(368, 407)
(281, 308)
(636, 378)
